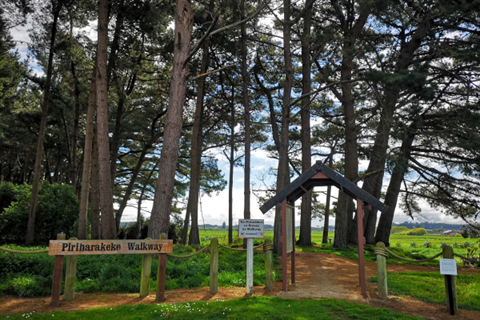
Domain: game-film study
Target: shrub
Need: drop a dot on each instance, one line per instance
(427, 244)
(57, 210)
(413, 244)
(7, 195)
(398, 244)
(443, 244)
(398, 230)
(417, 232)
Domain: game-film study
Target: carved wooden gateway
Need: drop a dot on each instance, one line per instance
(320, 175)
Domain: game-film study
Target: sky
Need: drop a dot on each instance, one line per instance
(214, 209)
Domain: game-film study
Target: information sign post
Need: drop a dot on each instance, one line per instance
(250, 229)
(448, 267)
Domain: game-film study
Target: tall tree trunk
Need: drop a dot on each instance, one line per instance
(87, 161)
(95, 191)
(246, 106)
(116, 137)
(232, 166)
(140, 199)
(343, 218)
(74, 144)
(111, 73)
(373, 184)
(197, 148)
(160, 217)
(283, 174)
(305, 238)
(326, 226)
(401, 167)
(30, 236)
(352, 24)
(131, 184)
(109, 230)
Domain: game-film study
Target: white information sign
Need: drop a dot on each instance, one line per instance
(251, 228)
(448, 267)
(289, 223)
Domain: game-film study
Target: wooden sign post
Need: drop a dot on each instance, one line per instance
(250, 229)
(57, 276)
(448, 267)
(72, 248)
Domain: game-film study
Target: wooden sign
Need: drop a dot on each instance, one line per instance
(251, 228)
(89, 247)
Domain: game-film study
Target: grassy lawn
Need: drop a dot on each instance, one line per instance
(430, 287)
(245, 308)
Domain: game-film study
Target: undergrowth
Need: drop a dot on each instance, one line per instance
(27, 275)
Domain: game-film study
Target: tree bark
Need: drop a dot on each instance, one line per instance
(246, 106)
(95, 192)
(283, 175)
(401, 167)
(305, 238)
(160, 217)
(109, 230)
(87, 161)
(30, 236)
(351, 32)
(232, 166)
(131, 183)
(197, 148)
(73, 152)
(326, 226)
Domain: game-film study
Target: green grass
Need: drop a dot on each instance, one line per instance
(245, 308)
(430, 287)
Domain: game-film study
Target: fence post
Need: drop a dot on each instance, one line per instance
(162, 273)
(214, 266)
(146, 270)
(450, 284)
(268, 264)
(70, 277)
(57, 276)
(382, 271)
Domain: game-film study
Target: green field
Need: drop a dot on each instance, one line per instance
(411, 246)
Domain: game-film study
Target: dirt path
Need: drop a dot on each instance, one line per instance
(319, 276)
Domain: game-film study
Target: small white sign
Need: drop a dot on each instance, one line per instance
(448, 267)
(251, 228)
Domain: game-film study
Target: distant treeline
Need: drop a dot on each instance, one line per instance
(214, 226)
(429, 225)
